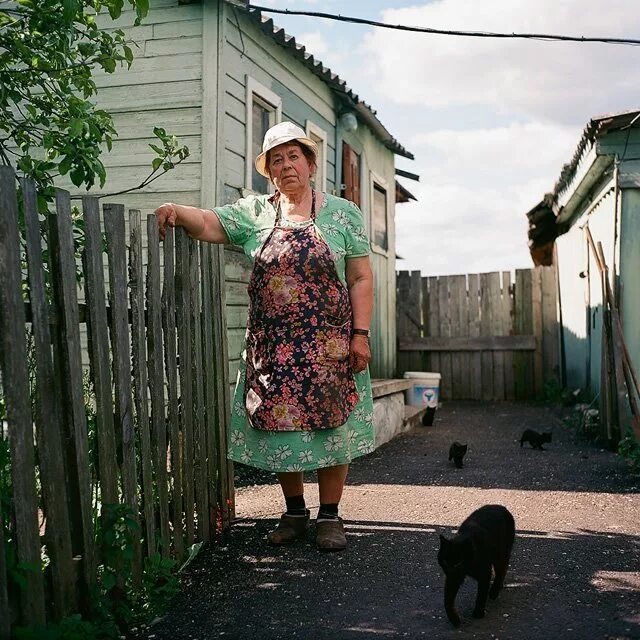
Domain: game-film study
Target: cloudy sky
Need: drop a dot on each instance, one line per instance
(491, 122)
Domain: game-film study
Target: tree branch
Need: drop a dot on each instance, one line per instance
(147, 181)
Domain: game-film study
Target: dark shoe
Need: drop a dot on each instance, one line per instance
(330, 535)
(289, 529)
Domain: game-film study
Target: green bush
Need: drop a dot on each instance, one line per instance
(629, 449)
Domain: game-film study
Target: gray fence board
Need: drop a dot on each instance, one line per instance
(15, 381)
(200, 448)
(524, 386)
(507, 329)
(140, 382)
(495, 329)
(445, 330)
(432, 317)
(209, 385)
(5, 614)
(48, 419)
(468, 344)
(183, 306)
(99, 350)
(156, 379)
(475, 359)
(65, 290)
(116, 249)
(171, 368)
(225, 466)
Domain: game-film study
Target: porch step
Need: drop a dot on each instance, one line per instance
(413, 415)
(386, 386)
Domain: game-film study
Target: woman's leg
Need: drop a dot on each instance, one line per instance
(331, 483)
(291, 483)
(294, 522)
(330, 534)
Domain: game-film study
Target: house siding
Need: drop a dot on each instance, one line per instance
(630, 271)
(581, 298)
(163, 88)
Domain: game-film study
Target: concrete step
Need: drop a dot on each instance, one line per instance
(386, 386)
(413, 415)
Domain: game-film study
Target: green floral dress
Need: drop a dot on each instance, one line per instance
(248, 222)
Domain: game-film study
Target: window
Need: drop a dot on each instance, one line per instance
(350, 174)
(379, 218)
(264, 109)
(319, 136)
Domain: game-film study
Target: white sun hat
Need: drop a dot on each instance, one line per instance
(279, 134)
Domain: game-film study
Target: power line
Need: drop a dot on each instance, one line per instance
(445, 32)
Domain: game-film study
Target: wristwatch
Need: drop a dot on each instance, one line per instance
(360, 332)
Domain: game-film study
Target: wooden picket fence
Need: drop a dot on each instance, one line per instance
(160, 396)
(489, 338)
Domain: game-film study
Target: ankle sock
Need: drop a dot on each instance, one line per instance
(328, 511)
(296, 506)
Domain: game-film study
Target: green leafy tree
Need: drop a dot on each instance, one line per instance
(49, 124)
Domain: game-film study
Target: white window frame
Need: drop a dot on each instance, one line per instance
(321, 174)
(374, 179)
(272, 102)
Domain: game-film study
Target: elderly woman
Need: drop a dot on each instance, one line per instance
(303, 397)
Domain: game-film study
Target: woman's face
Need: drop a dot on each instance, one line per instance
(289, 168)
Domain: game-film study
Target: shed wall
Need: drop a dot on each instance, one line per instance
(630, 272)
(581, 298)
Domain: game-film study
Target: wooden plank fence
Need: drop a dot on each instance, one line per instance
(490, 339)
(145, 426)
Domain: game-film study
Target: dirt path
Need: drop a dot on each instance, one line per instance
(575, 570)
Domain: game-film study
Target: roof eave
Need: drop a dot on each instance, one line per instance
(339, 86)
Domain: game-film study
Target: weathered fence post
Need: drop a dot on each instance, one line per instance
(64, 270)
(156, 379)
(139, 362)
(116, 249)
(15, 385)
(48, 420)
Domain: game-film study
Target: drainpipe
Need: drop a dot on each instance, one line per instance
(616, 235)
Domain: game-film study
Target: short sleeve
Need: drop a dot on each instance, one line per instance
(238, 219)
(357, 241)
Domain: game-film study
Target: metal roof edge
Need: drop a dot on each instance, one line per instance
(339, 86)
(596, 127)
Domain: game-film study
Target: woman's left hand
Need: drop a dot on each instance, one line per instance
(359, 353)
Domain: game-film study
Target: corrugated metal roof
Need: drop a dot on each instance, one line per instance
(596, 127)
(365, 111)
(543, 226)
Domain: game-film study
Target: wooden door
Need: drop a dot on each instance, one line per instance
(350, 174)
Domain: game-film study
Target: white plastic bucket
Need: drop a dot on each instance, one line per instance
(426, 389)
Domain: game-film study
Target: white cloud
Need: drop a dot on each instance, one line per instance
(314, 42)
(504, 154)
(475, 187)
(332, 55)
(563, 82)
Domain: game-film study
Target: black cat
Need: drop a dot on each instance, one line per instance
(456, 453)
(535, 439)
(484, 541)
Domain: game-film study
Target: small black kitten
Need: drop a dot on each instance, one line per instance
(456, 453)
(535, 439)
(483, 542)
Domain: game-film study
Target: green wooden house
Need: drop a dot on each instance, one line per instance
(218, 75)
(598, 190)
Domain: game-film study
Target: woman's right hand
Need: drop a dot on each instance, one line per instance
(166, 215)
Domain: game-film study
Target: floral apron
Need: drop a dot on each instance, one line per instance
(298, 376)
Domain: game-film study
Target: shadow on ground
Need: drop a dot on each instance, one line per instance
(389, 585)
(575, 570)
